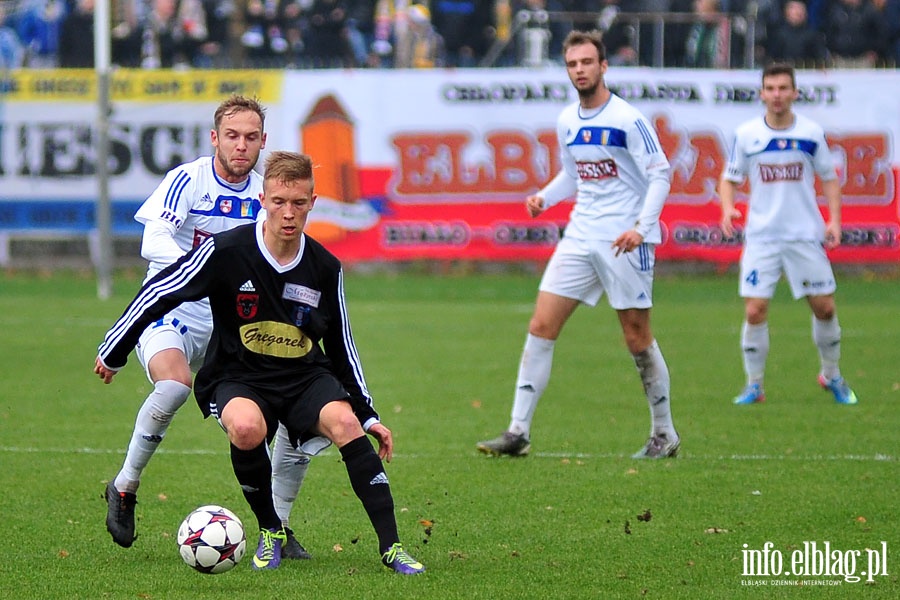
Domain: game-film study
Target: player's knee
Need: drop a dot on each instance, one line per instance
(168, 397)
(543, 329)
(246, 434)
(756, 314)
(339, 423)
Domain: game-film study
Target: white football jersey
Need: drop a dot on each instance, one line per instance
(781, 165)
(195, 203)
(612, 154)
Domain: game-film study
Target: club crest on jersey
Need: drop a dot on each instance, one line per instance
(302, 294)
(247, 305)
(782, 144)
(225, 206)
(586, 135)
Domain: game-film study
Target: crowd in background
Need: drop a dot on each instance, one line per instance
(449, 33)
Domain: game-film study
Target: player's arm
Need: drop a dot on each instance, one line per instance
(732, 177)
(564, 185)
(337, 341)
(727, 189)
(832, 191)
(823, 162)
(186, 280)
(163, 213)
(558, 189)
(644, 147)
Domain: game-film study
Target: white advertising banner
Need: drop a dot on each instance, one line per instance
(426, 163)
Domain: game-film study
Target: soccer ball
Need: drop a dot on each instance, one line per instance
(211, 539)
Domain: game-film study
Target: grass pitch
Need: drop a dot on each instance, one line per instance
(576, 519)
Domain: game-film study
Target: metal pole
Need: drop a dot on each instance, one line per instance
(103, 254)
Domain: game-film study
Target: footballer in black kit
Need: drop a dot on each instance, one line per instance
(281, 350)
(268, 323)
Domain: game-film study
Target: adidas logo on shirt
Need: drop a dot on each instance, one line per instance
(248, 287)
(380, 478)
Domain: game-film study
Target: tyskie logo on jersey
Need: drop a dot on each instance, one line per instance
(247, 305)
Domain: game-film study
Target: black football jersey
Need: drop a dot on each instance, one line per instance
(273, 325)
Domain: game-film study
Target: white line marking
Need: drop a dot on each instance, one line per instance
(555, 455)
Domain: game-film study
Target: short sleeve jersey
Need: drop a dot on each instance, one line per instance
(612, 155)
(781, 165)
(197, 203)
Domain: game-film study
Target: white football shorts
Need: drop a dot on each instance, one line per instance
(804, 264)
(584, 270)
(186, 328)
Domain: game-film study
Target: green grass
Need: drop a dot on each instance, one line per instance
(441, 356)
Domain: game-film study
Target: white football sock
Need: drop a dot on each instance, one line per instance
(827, 336)
(654, 374)
(755, 349)
(150, 427)
(534, 374)
(289, 467)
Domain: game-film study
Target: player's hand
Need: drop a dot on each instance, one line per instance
(726, 223)
(105, 374)
(385, 441)
(627, 242)
(832, 235)
(534, 205)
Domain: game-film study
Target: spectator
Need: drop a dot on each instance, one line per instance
(422, 47)
(538, 30)
(167, 36)
(853, 34)
(361, 29)
(889, 11)
(215, 50)
(618, 36)
(707, 40)
(38, 27)
(794, 41)
(676, 34)
(328, 40)
(264, 36)
(76, 37)
(171, 33)
(468, 29)
(12, 53)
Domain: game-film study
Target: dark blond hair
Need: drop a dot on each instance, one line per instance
(236, 104)
(577, 38)
(288, 167)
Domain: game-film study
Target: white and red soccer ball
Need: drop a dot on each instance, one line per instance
(211, 539)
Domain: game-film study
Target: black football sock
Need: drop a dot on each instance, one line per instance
(254, 472)
(371, 485)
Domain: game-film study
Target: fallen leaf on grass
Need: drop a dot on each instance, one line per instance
(476, 403)
(63, 554)
(337, 548)
(860, 519)
(457, 555)
(715, 530)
